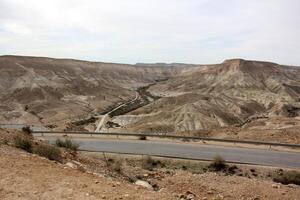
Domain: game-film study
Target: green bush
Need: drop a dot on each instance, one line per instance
(289, 177)
(47, 151)
(67, 143)
(23, 143)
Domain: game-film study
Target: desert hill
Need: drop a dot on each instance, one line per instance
(179, 97)
(222, 95)
(35, 89)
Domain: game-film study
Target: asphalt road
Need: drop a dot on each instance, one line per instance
(193, 151)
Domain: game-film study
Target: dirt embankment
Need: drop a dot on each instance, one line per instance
(87, 176)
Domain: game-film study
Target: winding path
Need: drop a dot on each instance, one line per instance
(102, 121)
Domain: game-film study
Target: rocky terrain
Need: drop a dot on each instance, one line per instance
(48, 91)
(245, 95)
(77, 175)
(235, 92)
(237, 98)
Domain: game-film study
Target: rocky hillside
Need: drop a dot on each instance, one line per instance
(91, 176)
(232, 93)
(235, 93)
(46, 90)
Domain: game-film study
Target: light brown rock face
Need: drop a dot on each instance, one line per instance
(45, 90)
(212, 96)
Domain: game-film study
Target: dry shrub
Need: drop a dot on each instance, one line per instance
(27, 130)
(116, 165)
(48, 151)
(142, 137)
(23, 143)
(67, 143)
(217, 164)
(289, 177)
(148, 163)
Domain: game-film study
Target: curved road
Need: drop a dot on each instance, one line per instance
(192, 151)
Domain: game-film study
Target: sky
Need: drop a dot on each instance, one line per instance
(131, 31)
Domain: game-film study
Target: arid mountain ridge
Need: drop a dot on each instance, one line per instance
(222, 95)
(235, 93)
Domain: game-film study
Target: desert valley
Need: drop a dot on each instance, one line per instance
(234, 99)
(149, 100)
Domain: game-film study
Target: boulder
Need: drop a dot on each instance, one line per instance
(144, 184)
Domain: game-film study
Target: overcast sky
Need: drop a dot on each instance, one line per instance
(130, 31)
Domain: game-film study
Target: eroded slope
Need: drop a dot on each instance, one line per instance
(233, 93)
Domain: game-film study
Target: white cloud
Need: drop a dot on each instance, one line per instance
(193, 31)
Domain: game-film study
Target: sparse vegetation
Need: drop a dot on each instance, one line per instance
(217, 164)
(288, 177)
(185, 140)
(4, 141)
(26, 107)
(232, 169)
(48, 151)
(67, 143)
(148, 163)
(27, 130)
(116, 166)
(23, 143)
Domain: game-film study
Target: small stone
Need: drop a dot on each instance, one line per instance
(87, 194)
(144, 184)
(76, 162)
(292, 185)
(96, 182)
(161, 189)
(103, 197)
(275, 186)
(204, 198)
(209, 192)
(71, 165)
(190, 195)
